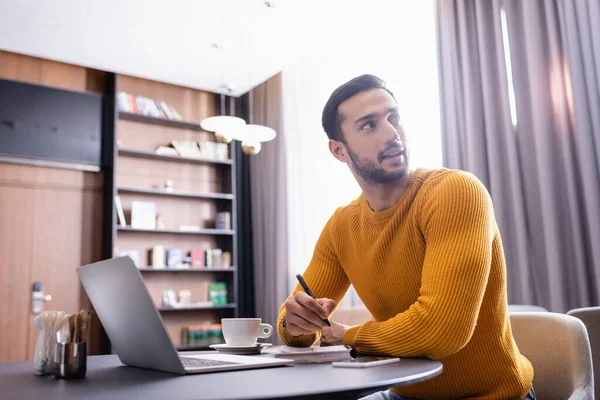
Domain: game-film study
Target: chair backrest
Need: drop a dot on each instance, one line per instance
(591, 319)
(558, 347)
(512, 308)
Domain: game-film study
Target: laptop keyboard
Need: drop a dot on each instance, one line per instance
(199, 362)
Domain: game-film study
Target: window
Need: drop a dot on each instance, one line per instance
(508, 63)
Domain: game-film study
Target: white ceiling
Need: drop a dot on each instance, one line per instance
(173, 40)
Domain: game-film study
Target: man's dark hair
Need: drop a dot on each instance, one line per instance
(331, 118)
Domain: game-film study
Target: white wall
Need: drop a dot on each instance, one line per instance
(397, 43)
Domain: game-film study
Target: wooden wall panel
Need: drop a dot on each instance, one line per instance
(50, 219)
(50, 224)
(18, 67)
(66, 236)
(16, 239)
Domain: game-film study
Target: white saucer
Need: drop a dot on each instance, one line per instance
(242, 350)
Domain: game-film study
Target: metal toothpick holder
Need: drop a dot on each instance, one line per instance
(70, 360)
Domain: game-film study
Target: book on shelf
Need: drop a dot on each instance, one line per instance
(157, 257)
(120, 213)
(199, 150)
(202, 334)
(174, 258)
(210, 258)
(145, 106)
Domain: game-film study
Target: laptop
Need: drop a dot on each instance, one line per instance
(134, 326)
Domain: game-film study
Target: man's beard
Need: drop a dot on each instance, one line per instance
(373, 173)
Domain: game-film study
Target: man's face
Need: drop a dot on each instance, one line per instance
(374, 139)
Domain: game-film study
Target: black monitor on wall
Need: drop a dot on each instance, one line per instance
(39, 123)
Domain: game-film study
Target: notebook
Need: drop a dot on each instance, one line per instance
(314, 354)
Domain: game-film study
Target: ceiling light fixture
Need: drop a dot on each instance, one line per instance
(225, 127)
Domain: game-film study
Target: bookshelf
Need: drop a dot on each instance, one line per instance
(200, 187)
(183, 270)
(160, 121)
(154, 156)
(201, 231)
(156, 192)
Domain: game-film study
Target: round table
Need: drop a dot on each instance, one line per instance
(107, 378)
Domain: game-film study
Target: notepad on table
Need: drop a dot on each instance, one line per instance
(315, 354)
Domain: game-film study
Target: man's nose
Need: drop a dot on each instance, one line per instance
(391, 133)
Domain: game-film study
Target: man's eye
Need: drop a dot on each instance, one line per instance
(367, 125)
(394, 119)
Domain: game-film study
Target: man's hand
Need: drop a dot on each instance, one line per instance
(333, 335)
(305, 315)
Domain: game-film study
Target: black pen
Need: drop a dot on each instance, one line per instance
(308, 292)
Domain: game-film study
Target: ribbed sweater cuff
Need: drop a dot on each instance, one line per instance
(351, 335)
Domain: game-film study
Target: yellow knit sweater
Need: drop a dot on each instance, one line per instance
(431, 271)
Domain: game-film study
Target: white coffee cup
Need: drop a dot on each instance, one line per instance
(244, 331)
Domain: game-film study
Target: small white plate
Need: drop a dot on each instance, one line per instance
(241, 350)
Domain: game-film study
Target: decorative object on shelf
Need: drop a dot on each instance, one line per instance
(174, 258)
(160, 222)
(143, 214)
(168, 186)
(133, 254)
(156, 256)
(120, 213)
(145, 106)
(185, 298)
(189, 228)
(169, 298)
(223, 220)
(218, 293)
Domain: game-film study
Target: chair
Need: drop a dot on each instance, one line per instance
(558, 347)
(591, 319)
(512, 308)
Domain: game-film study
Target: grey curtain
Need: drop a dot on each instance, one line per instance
(269, 203)
(543, 167)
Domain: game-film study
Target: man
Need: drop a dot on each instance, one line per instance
(423, 252)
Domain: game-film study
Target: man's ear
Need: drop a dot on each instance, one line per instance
(338, 150)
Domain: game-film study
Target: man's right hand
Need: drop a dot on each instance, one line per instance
(305, 315)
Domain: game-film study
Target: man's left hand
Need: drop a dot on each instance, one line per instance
(333, 335)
